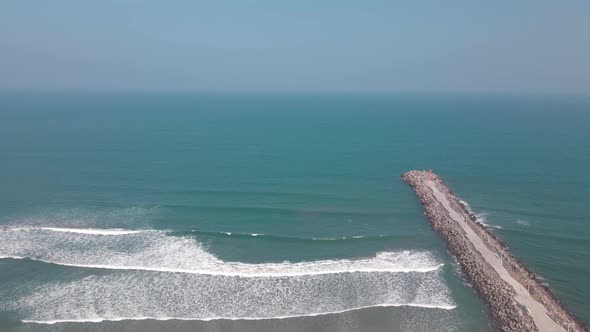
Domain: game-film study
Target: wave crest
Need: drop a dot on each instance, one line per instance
(158, 251)
(140, 284)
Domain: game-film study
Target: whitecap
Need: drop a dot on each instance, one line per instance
(155, 275)
(118, 319)
(159, 251)
(94, 231)
(152, 295)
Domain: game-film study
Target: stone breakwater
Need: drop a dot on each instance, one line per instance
(500, 297)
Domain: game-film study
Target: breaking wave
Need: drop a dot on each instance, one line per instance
(118, 319)
(480, 218)
(94, 231)
(152, 274)
(157, 251)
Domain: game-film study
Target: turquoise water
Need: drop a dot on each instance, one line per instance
(251, 208)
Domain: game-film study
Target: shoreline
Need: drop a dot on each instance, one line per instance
(515, 297)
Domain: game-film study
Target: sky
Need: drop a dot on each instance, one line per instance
(420, 46)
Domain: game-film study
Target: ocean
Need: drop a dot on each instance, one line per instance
(266, 212)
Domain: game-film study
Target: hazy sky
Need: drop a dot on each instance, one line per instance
(515, 46)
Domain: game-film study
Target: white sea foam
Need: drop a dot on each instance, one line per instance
(495, 226)
(155, 275)
(480, 218)
(94, 231)
(153, 295)
(157, 251)
(118, 319)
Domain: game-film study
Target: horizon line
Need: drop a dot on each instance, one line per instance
(398, 93)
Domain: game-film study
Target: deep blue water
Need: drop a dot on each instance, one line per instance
(198, 207)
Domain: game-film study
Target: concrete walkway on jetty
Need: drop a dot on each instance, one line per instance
(536, 310)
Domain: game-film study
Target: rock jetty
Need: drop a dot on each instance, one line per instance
(502, 293)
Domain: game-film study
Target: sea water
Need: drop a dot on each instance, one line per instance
(151, 211)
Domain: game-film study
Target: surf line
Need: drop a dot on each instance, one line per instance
(207, 319)
(516, 299)
(244, 270)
